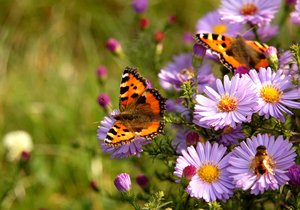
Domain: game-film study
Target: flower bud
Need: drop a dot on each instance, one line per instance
(114, 46)
(139, 6)
(142, 180)
(189, 171)
(271, 54)
(123, 182)
(101, 72)
(103, 100)
(144, 23)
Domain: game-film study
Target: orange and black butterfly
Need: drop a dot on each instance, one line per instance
(141, 111)
(235, 52)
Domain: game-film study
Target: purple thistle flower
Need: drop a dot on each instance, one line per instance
(123, 151)
(123, 182)
(211, 181)
(181, 70)
(101, 72)
(142, 180)
(185, 138)
(294, 175)
(231, 135)
(231, 103)
(247, 174)
(253, 11)
(104, 100)
(113, 46)
(212, 23)
(139, 6)
(295, 16)
(275, 92)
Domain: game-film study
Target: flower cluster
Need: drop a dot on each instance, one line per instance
(229, 132)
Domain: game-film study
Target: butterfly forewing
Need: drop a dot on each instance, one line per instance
(131, 88)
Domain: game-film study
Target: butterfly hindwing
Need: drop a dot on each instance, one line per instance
(234, 52)
(119, 134)
(152, 99)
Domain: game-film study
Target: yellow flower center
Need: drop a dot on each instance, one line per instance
(185, 72)
(227, 130)
(270, 94)
(220, 29)
(209, 173)
(227, 104)
(248, 9)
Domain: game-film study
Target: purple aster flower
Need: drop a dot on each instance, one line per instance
(294, 175)
(181, 70)
(231, 103)
(139, 6)
(253, 11)
(287, 63)
(185, 138)
(123, 182)
(212, 180)
(212, 23)
(261, 163)
(177, 106)
(295, 16)
(104, 100)
(101, 72)
(231, 135)
(122, 151)
(275, 92)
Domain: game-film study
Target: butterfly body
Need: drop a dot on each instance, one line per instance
(234, 52)
(141, 111)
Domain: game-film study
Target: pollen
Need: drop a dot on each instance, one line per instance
(248, 9)
(227, 104)
(186, 74)
(220, 29)
(209, 173)
(270, 94)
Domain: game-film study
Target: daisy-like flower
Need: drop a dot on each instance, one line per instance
(122, 151)
(210, 179)
(253, 11)
(275, 92)
(261, 163)
(231, 135)
(231, 103)
(212, 23)
(295, 16)
(181, 70)
(185, 138)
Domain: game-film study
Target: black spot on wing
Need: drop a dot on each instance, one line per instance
(229, 52)
(134, 95)
(141, 100)
(124, 90)
(126, 130)
(261, 56)
(124, 79)
(205, 36)
(109, 137)
(124, 98)
(215, 36)
(112, 131)
(224, 45)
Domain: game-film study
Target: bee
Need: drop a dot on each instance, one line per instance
(262, 162)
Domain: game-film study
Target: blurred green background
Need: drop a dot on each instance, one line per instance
(49, 52)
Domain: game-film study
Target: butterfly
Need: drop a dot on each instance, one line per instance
(141, 111)
(235, 52)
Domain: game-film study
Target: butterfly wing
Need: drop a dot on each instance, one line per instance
(151, 106)
(259, 48)
(234, 52)
(132, 87)
(119, 134)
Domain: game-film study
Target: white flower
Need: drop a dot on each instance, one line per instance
(15, 143)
